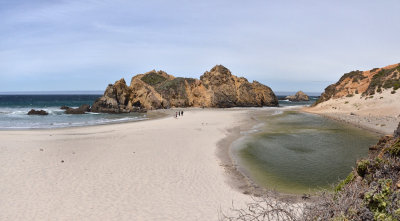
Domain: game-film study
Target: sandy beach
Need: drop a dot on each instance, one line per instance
(379, 113)
(162, 169)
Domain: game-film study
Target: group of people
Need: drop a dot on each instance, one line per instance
(179, 113)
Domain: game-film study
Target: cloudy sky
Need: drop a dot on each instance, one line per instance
(52, 45)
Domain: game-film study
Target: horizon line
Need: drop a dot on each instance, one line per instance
(100, 92)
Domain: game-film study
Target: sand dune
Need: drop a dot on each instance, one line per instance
(164, 169)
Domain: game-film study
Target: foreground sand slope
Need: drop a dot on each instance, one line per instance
(163, 169)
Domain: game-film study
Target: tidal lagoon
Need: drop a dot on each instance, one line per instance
(295, 152)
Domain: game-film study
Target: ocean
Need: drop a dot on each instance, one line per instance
(14, 110)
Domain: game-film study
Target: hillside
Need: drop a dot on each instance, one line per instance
(366, 83)
(157, 89)
(368, 99)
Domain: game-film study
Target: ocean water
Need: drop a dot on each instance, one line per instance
(14, 110)
(296, 152)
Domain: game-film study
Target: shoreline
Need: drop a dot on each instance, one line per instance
(342, 119)
(161, 114)
(379, 114)
(237, 178)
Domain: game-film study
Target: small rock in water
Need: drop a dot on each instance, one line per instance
(80, 110)
(37, 112)
(62, 161)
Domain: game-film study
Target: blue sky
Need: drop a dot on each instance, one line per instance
(49, 45)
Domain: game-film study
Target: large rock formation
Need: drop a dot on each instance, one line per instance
(157, 89)
(365, 83)
(299, 96)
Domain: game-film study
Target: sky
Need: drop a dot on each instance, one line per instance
(52, 45)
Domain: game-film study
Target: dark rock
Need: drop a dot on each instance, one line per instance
(397, 132)
(80, 110)
(64, 107)
(37, 112)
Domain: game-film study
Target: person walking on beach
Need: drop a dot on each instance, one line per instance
(179, 113)
(176, 114)
(182, 113)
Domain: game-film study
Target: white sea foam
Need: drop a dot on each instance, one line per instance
(18, 118)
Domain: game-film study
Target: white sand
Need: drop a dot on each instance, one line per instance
(164, 169)
(381, 113)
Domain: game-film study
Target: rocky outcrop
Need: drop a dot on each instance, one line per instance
(299, 96)
(157, 89)
(115, 99)
(366, 83)
(227, 90)
(80, 110)
(397, 132)
(37, 112)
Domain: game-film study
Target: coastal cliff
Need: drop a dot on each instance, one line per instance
(157, 89)
(367, 99)
(366, 83)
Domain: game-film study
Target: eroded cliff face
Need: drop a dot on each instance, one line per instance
(366, 83)
(115, 99)
(156, 89)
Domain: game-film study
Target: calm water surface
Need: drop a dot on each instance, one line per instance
(297, 152)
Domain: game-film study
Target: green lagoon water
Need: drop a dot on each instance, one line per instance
(300, 153)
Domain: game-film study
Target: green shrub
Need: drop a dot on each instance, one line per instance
(378, 200)
(385, 78)
(394, 150)
(350, 95)
(362, 167)
(153, 78)
(344, 182)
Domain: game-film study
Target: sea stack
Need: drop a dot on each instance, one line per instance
(299, 96)
(216, 88)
